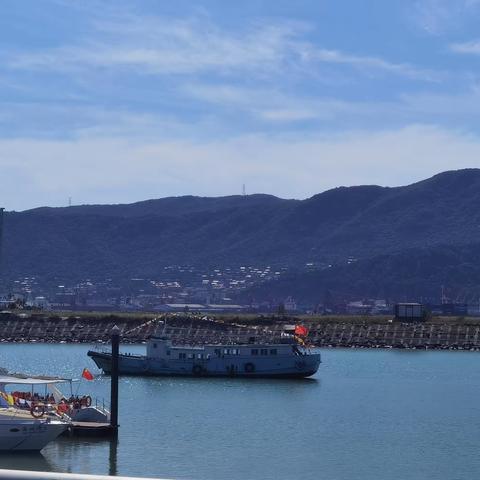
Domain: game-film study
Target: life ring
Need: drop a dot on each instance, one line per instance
(300, 365)
(88, 401)
(62, 408)
(37, 411)
(249, 367)
(197, 370)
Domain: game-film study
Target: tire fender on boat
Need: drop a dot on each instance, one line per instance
(37, 411)
(300, 365)
(249, 367)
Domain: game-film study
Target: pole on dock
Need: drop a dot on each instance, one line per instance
(114, 380)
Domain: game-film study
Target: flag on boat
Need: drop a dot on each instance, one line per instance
(4, 400)
(301, 331)
(86, 374)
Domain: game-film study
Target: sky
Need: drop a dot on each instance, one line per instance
(122, 101)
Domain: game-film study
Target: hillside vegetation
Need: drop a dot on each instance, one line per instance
(404, 240)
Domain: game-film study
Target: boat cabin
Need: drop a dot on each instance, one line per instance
(162, 348)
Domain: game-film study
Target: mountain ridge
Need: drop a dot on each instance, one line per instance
(363, 222)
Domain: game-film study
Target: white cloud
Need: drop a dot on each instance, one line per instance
(265, 104)
(166, 46)
(114, 169)
(436, 17)
(373, 63)
(446, 107)
(472, 47)
(275, 106)
(170, 46)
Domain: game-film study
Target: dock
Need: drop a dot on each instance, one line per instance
(90, 429)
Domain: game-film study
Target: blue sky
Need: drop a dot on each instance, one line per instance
(119, 101)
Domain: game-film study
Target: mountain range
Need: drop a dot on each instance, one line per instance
(400, 242)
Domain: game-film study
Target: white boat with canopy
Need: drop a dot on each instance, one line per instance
(42, 397)
(25, 429)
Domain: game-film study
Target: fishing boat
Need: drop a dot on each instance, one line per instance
(289, 358)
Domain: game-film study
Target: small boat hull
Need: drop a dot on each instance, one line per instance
(28, 436)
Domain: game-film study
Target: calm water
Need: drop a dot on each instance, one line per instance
(367, 414)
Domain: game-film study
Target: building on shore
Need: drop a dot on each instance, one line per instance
(410, 312)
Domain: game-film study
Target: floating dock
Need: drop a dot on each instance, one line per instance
(90, 429)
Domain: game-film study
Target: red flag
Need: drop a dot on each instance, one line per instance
(301, 330)
(86, 374)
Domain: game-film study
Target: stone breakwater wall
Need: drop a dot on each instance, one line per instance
(73, 329)
(398, 335)
(198, 330)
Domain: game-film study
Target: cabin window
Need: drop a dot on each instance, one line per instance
(263, 351)
(254, 351)
(182, 355)
(154, 345)
(217, 352)
(234, 351)
(191, 355)
(168, 352)
(200, 356)
(273, 351)
(225, 351)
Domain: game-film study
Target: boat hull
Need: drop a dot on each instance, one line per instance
(292, 367)
(28, 436)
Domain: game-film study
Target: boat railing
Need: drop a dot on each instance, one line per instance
(101, 405)
(50, 408)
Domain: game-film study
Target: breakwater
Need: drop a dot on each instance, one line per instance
(367, 332)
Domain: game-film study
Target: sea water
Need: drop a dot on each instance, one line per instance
(365, 414)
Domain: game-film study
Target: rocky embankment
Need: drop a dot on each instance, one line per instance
(334, 332)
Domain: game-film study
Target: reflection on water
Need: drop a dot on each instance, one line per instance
(72, 455)
(83, 454)
(112, 458)
(26, 461)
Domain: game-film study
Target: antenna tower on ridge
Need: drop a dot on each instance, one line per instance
(244, 190)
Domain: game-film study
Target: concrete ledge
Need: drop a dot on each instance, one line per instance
(27, 475)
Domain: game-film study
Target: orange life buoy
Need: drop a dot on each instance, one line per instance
(37, 411)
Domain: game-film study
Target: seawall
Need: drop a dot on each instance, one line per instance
(360, 332)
